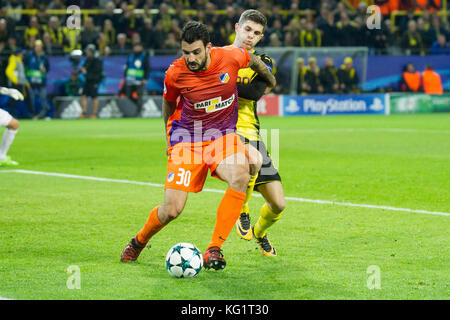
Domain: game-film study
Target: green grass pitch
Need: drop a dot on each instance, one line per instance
(326, 251)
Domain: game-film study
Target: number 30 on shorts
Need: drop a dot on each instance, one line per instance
(184, 177)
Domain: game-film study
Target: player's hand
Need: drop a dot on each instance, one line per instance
(15, 94)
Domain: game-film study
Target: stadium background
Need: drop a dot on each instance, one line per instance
(379, 55)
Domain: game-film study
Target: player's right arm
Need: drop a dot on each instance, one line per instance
(168, 108)
(170, 95)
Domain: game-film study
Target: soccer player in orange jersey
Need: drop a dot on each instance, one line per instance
(200, 107)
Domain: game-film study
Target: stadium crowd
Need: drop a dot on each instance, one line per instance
(115, 25)
(32, 30)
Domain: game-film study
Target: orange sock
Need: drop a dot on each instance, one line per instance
(151, 227)
(227, 214)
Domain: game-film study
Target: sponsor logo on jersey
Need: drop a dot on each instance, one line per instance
(214, 104)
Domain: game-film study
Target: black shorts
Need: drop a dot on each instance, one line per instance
(268, 172)
(90, 89)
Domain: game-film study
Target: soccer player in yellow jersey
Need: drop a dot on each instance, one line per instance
(249, 31)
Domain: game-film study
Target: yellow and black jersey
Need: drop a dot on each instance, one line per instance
(250, 89)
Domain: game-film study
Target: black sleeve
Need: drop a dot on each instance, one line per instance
(253, 90)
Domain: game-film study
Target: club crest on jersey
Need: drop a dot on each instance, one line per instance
(224, 77)
(214, 104)
(170, 177)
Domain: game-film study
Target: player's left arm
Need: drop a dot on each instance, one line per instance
(255, 89)
(260, 67)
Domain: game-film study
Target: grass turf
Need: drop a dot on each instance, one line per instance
(50, 223)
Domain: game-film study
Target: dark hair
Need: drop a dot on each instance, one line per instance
(194, 31)
(253, 15)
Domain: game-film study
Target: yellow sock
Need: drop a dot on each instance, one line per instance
(266, 219)
(248, 193)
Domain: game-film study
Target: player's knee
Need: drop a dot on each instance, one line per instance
(169, 212)
(255, 163)
(278, 205)
(13, 124)
(240, 178)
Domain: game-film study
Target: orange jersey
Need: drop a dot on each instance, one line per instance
(207, 100)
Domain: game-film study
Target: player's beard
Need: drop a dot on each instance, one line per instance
(195, 67)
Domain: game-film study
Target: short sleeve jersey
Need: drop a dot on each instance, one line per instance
(208, 99)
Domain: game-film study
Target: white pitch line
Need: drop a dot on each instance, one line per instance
(346, 204)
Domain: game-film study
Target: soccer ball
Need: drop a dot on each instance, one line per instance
(184, 260)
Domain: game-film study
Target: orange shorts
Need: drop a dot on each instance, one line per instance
(188, 163)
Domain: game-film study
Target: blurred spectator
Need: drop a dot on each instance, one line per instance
(229, 16)
(437, 28)
(164, 17)
(329, 77)
(426, 33)
(49, 47)
(4, 56)
(346, 32)
(92, 69)
(301, 76)
(109, 32)
(288, 40)
(137, 71)
(381, 38)
(122, 47)
(42, 14)
(12, 44)
(411, 40)
(129, 21)
(4, 33)
(147, 34)
(426, 5)
(410, 80)
(88, 34)
(294, 29)
(109, 15)
(55, 31)
(15, 5)
(274, 41)
(431, 80)
(228, 33)
(277, 29)
(37, 67)
(310, 37)
(387, 6)
(440, 46)
(15, 71)
(312, 84)
(329, 32)
(102, 44)
(348, 77)
(71, 39)
(33, 30)
(10, 23)
(171, 43)
(276, 15)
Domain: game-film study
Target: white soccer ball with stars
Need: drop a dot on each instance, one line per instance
(184, 260)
